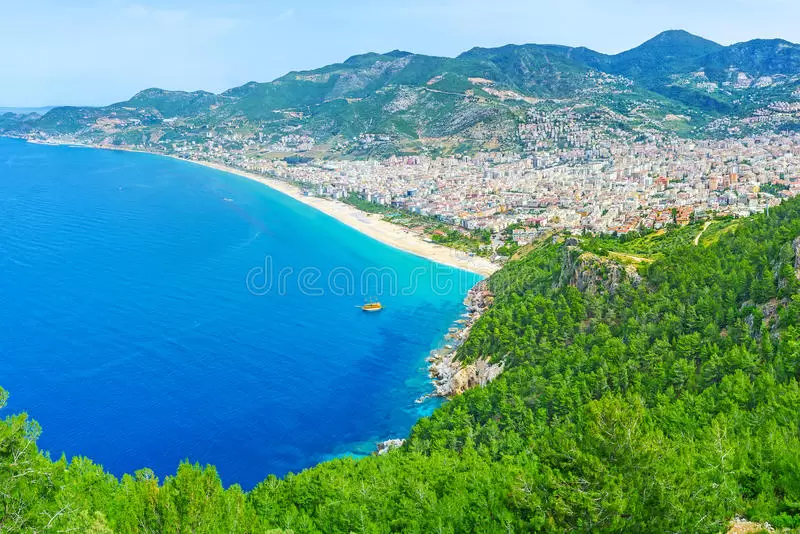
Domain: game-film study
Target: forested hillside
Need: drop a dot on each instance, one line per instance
(659, 395)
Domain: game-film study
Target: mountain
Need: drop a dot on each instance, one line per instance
(761, 57)
(173, 103)
(400, 102)
(535, 70)
(670, 52)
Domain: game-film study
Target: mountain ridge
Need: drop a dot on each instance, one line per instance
(476, 100)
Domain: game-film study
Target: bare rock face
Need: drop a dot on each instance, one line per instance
(475, 375)
(743, 526)
(389, 444)
(589, 272)
(461, 381)
(454, 378)
(451, 376)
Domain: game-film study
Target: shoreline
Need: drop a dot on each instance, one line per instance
(448, 376)
(451, 376)
(370, 225)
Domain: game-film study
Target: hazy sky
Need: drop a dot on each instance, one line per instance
(103, 51)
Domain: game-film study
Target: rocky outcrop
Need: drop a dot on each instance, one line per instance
(451, 376)
(590, 273)
(385, 446)
(740, 525)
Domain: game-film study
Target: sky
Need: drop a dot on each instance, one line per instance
(96, 52)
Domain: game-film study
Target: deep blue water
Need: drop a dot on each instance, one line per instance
(129, 330)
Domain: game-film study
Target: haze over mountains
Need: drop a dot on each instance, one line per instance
(403, 102)
(40, 110)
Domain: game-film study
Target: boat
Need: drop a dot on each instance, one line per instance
(372, 306)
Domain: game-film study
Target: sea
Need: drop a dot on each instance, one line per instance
(154, 311)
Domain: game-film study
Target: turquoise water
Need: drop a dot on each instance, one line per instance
(152, 310)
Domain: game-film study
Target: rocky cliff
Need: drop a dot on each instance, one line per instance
(590, 273)
(450, 375)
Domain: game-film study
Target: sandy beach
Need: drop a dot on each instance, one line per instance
(371, 225)
(368, 224)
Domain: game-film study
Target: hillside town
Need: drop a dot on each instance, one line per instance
(617, 186)
(572, 172)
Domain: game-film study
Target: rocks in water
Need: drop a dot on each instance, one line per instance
(450, 376)
(389, 444)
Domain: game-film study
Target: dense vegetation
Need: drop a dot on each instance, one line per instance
(660, 401)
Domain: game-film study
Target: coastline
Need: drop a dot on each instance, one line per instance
(451, 376)
(371, 225)
(448, 376)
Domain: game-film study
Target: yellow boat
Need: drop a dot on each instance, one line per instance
(373, 306)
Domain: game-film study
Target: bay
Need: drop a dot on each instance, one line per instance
(153, 311)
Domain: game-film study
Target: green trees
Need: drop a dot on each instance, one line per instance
(28, 489)
(665, 403)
